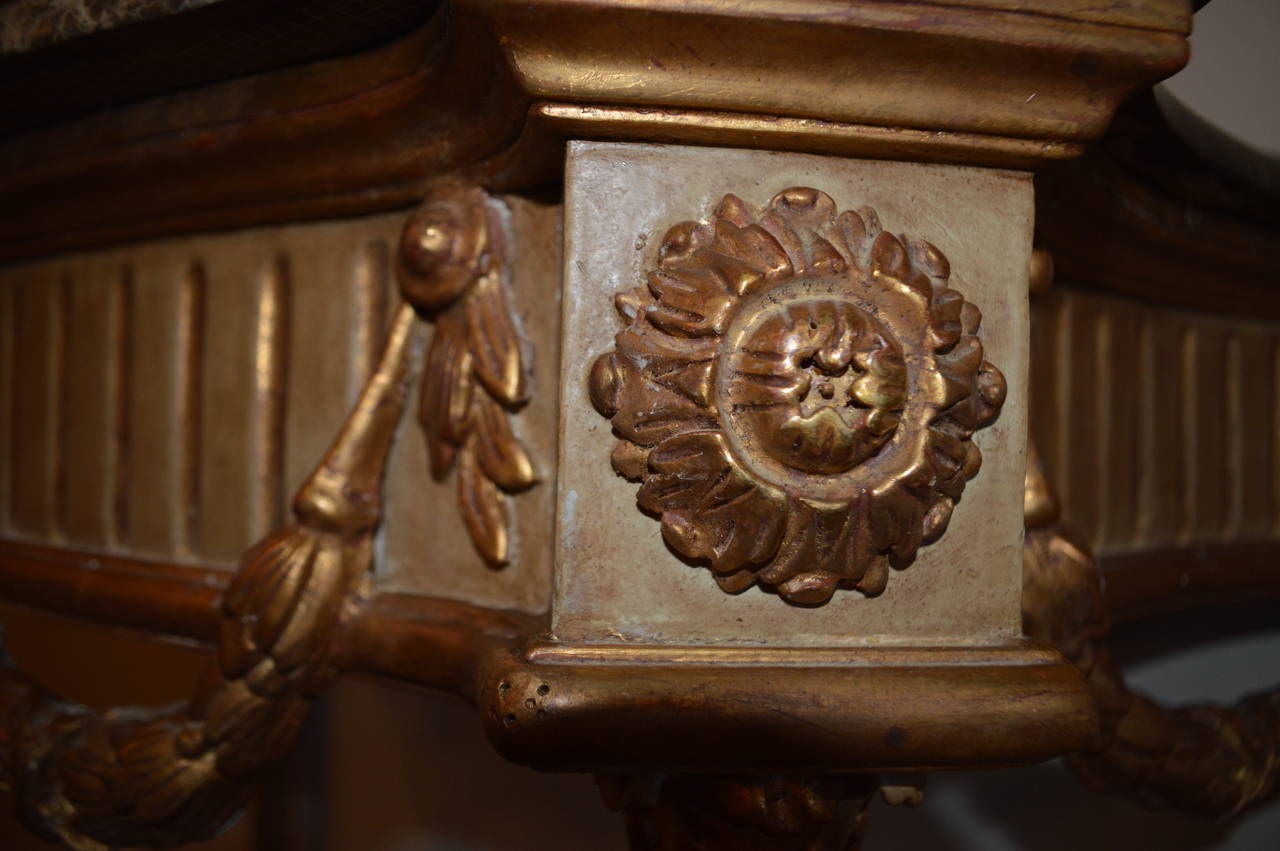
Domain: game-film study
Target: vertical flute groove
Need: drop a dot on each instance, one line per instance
(1146, 491)
(1275, 436)
(1190, 434)
(8, 397)
(270, 374)
(1104, 423)
(1234, 439)
(120, 363)
(15, 406)
(190, 407)
(1062, 400)
(371, 278)
(60, 405)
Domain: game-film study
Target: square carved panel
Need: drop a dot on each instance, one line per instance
(782, 353)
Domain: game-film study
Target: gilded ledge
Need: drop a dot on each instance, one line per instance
(796, 390)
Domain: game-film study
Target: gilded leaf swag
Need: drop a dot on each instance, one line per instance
(162, 776)
(796, 392)
(450, 265)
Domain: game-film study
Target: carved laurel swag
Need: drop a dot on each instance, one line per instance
(796, 391)
(1211, 760)
(451, 266)
(161, 776)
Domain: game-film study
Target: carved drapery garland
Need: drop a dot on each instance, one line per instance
(141, 776)
(797, 390)
(137, 776)
(451, 266)
(1211, 760)
(162, 776)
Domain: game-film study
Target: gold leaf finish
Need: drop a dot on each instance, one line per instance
(141, 776)
(1214, 761)
(796, 389)
(451, 267)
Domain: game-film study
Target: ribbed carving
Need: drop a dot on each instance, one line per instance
(1159, 428)
(160, 776)
(205, 375)
(166, 398)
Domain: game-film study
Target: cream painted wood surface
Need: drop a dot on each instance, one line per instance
(616, 580)
(164, 400)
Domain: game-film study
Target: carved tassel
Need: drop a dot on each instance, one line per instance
(138, 776)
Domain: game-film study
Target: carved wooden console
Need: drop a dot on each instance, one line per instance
(711, 323)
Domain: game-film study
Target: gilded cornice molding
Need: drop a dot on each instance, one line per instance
(500, 88)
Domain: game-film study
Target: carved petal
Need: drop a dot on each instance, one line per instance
(736, 582)
(649, 413)
(642, 340)
(689, 306)
(710, 509)
(447, 390)
(632, 303)
(604, 383)
(957, 369)
(691, 380)
(937, 517)
(944, 327)
(825, 258)
(930, 260)
(262, 597)
(748, 257)
(948, 455)
(498, 450)
(493, 341)
(897, 520)
(889, 257)
(873, 582)
(643, 410)
(483, 509)
(822, 545)
(297, 651)
(992, 390)
(803, 208)
(630, 461)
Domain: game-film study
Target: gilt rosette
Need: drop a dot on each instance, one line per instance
(797, 391)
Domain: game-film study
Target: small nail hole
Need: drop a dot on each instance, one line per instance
(544, 689)
(509, 719)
